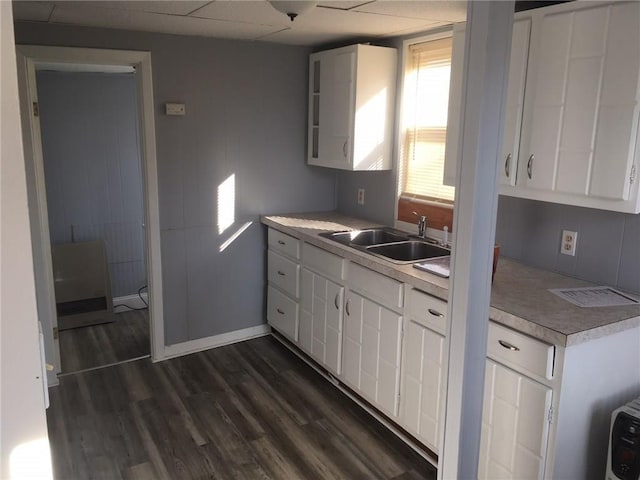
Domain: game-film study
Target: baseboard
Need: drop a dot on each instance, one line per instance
(193, 346)
(131, 300)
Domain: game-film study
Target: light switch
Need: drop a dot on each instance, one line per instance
(174, 108)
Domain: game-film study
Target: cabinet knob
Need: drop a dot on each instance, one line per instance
(281, 242)
(530, 167)
(280, 272)
(508, 346)
(435, 313)
(279, 311)
(346, 308)
(344, 148)
(507, 166)
(335, 301)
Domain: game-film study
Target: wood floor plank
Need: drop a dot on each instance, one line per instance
(245, 411)
(88, 347)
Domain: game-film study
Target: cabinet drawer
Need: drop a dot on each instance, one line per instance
(323, 262)
(283, 273)
(282, 313)
(427, 310)
(376, 286)
(284, 243)
(520, 352)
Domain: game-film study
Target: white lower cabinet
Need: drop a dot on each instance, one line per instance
(421, 393)
(320, 332)
(282, 313)
(283, 272)
(517, 406)
(371, 352)
(423, 355)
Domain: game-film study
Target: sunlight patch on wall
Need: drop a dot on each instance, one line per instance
(233, 237)
(226, 203)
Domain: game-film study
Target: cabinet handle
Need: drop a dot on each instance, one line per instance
(508, 346)
(280, 273)
(530, 166)
(335, 301)
(346, 308)
(344, 147)
(435, 313)
(281, 242)
(279, 311)
(507, 166)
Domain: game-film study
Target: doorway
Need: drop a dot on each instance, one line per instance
(93, 181)
(32, 61)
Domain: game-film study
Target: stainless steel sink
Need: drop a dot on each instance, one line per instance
(367, 237)
(408, 251)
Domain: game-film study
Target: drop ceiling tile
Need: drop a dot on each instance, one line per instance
(300, 38)
(167, 7)
(450, 11)
(154, 22)
(32, 11)
(425, 27)
(247, 11)
(344, 5)
(351, 23)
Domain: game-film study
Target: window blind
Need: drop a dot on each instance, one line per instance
(426, 103)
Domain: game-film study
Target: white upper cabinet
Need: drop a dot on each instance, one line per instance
(515, 100)
(579, 138)
(352, 94)
(572, 106)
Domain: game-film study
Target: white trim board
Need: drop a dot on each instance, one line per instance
(206, 343)
(131, 300)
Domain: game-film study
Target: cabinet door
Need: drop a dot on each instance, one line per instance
(321, 320)
(422, 382)
(515, 100)
(581, 110)
(514, 103)
(336, 102)
(371, 359)
(515, 425)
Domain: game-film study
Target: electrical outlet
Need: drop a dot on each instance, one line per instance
(361, 196)
(568, 243)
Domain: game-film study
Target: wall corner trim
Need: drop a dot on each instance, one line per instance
(200, 344)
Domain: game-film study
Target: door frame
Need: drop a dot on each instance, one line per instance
(28, 57)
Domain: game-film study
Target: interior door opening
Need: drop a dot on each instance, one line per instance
(96, 203)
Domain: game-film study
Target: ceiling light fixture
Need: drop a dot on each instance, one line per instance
(292, 8)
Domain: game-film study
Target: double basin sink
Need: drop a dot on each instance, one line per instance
(390, 244)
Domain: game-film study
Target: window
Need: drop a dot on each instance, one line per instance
(425, 107)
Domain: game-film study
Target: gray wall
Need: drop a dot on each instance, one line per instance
(607, 250)
(92, 168)
(246, 106)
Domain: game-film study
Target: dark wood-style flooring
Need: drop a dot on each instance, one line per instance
(252, 410)
(97, 345)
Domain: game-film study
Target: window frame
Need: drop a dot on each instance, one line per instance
(438, 213)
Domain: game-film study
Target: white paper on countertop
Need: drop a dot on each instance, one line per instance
(595, 296)
(438, 266)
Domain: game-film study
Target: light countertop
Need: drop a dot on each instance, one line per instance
(520, 298)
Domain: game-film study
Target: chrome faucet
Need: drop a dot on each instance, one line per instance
(422, 225)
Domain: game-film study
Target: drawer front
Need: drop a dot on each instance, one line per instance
(520, 352)
(376, 286)
(284, 243)
(282, 313)
(283, 273)
(323, 262)
(427, 310)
